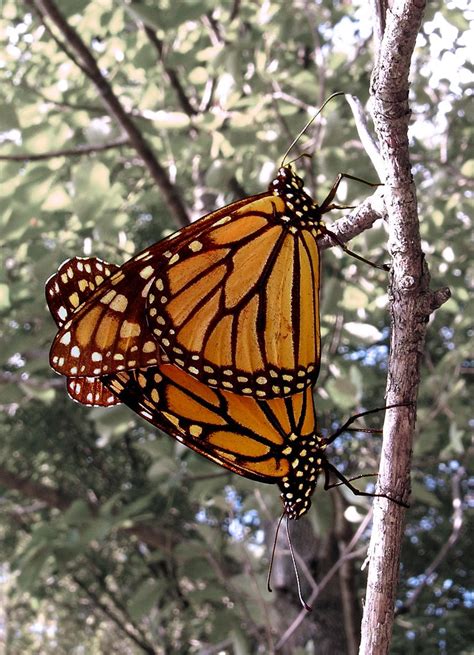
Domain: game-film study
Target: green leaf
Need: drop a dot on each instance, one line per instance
(456, 447)
(92, 186)
(240, 642)
(467, 169)
(96, 530)
(354, 298)
(8, 118)
(4, 296)
(11, 394)
(364, 331)
(32, 567)
(162, 467)
(44, 395)
(422, 494)
(342, 392)
(56, 200)
(78, 512)
(150, 16)
(170, 120)
(145, 598)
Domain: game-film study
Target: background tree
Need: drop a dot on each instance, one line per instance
(119, 124)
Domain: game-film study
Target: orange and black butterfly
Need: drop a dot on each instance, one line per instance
(232, 299)
(272, 441)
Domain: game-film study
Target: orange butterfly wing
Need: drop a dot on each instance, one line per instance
(74, 281)
(237, 305)
(272, 441)
(108, 330)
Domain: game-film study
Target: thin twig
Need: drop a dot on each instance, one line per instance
(366, 138)
(80, 151)
(379, 9)
(105, 609)
(347, 553)
(170, 72)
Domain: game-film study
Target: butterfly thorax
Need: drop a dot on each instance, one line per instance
(300, 206)
(306, 457)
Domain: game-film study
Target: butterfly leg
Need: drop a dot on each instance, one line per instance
(350, 421)
(341, 244)
(327, 203)
(329, 468)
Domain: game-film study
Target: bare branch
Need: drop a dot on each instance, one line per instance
(379, 10)
(367, 140)
(80, 151)
(235, 10)
(278, 94)
(88, 64)
(171, 73)
(30, 489)
(129, 630)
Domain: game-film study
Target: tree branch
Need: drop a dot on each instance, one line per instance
(30, 489)
(411, 304)
(88, 64)
(171, 73)
(125, 627)
(366, 138)
(66, 152)
(379, 10)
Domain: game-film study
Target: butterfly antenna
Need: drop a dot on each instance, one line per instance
(309, 155)
(272, 558)
(338, 93)
(297, 575)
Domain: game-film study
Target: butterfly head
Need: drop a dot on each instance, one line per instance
(289, 186)
(307, 462)
(286, 181)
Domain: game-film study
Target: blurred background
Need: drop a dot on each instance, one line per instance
(115, 538)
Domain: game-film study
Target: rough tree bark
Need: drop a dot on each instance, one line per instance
(411, 303)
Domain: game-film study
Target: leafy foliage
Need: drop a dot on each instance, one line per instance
(115, 538)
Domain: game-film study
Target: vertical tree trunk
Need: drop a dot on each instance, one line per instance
(411, 303)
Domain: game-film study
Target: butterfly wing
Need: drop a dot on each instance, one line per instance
(238, 432)
(269, 441)
(65, 292)
(108, 332)
(237, 305)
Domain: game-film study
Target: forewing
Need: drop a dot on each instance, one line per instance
(237, 306)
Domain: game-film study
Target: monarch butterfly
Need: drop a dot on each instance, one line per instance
(274, 441)
(233, 299)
